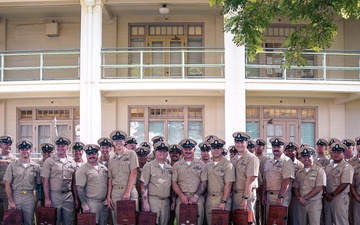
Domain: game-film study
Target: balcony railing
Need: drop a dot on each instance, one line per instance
(40, 65)
(165, 63)
(179, 63)
(325, 65)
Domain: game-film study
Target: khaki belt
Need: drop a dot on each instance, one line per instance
(160, 198)
(60, 191)
(215, 194)
(24, 192)
(118, 187)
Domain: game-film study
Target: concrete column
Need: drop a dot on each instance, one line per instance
(90, 71)
(235, 99)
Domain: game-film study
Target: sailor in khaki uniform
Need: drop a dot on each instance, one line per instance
(175, 153)
(77, 149)
(122, 173)
(291, 148)
(221, 175)
(142, 154)
(22, 178)
(339, 174)
(130, 143)
(91, 183)
(246, 167)
(322, 158)
(259, 152)
(251, 146)
(105, 149)
(156, 184)
(47, 150)
(279, 174)
(355, 187)
(5, 159)
(308, 188)
(205, 151)
(189, 179)
(58, 174)
(233, 151)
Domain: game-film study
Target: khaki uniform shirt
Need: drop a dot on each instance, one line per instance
(21, 178)
(342, 173)
(248, 165)
(3, 167)
(356, 179)
(324, 161)
(262, 160)
(158, 179)
(41, 162)
(354, 161)
(120, 167)
(307, 181)
(105, 163)
(277, 170)
(298, 165)
(94, 181)
(189, 177)
(219, 174)
(60, 174)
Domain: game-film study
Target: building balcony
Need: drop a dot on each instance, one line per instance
(176, 63)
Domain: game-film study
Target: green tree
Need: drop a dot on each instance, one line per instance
(248, 19)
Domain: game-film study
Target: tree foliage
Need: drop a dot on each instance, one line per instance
(248, 19)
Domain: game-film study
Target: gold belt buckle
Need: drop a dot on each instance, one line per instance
(23, 192)
(121, 187)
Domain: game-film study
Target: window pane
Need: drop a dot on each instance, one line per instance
(26, 131)
(44, 134)
(292, 132)
(252, 128)
(196, 132)
(176, 132)
(308, 133)
(137, 129)
(156, 128)
(63, 131)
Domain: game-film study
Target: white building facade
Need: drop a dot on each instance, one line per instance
(85, 68)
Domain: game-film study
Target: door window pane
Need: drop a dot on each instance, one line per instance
(292, 132)
(137, 129)
(176, 132)
(196, 132)
(252, 128)
(62, 130)
(44, 134)
(308, 133)
(26, 131)
(155, 129)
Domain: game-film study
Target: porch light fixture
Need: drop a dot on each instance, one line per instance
(164, 10)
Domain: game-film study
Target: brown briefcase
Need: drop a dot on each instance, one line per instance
(277, 214)
(86, 219)
(220, 217)
(146, 218)
(126, 212)
(13, 217)
(188, 214)
(242, 217)
(46, 215)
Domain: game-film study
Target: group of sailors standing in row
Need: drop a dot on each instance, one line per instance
(319, 186)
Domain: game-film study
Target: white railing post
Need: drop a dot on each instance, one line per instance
(183, 63)
(141, 63)
(284, 68)
(324, 66)
(41, 66)
(2, 67)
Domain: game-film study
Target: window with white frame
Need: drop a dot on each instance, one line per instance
(293, 123)
(44, 124)
(172, 122)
